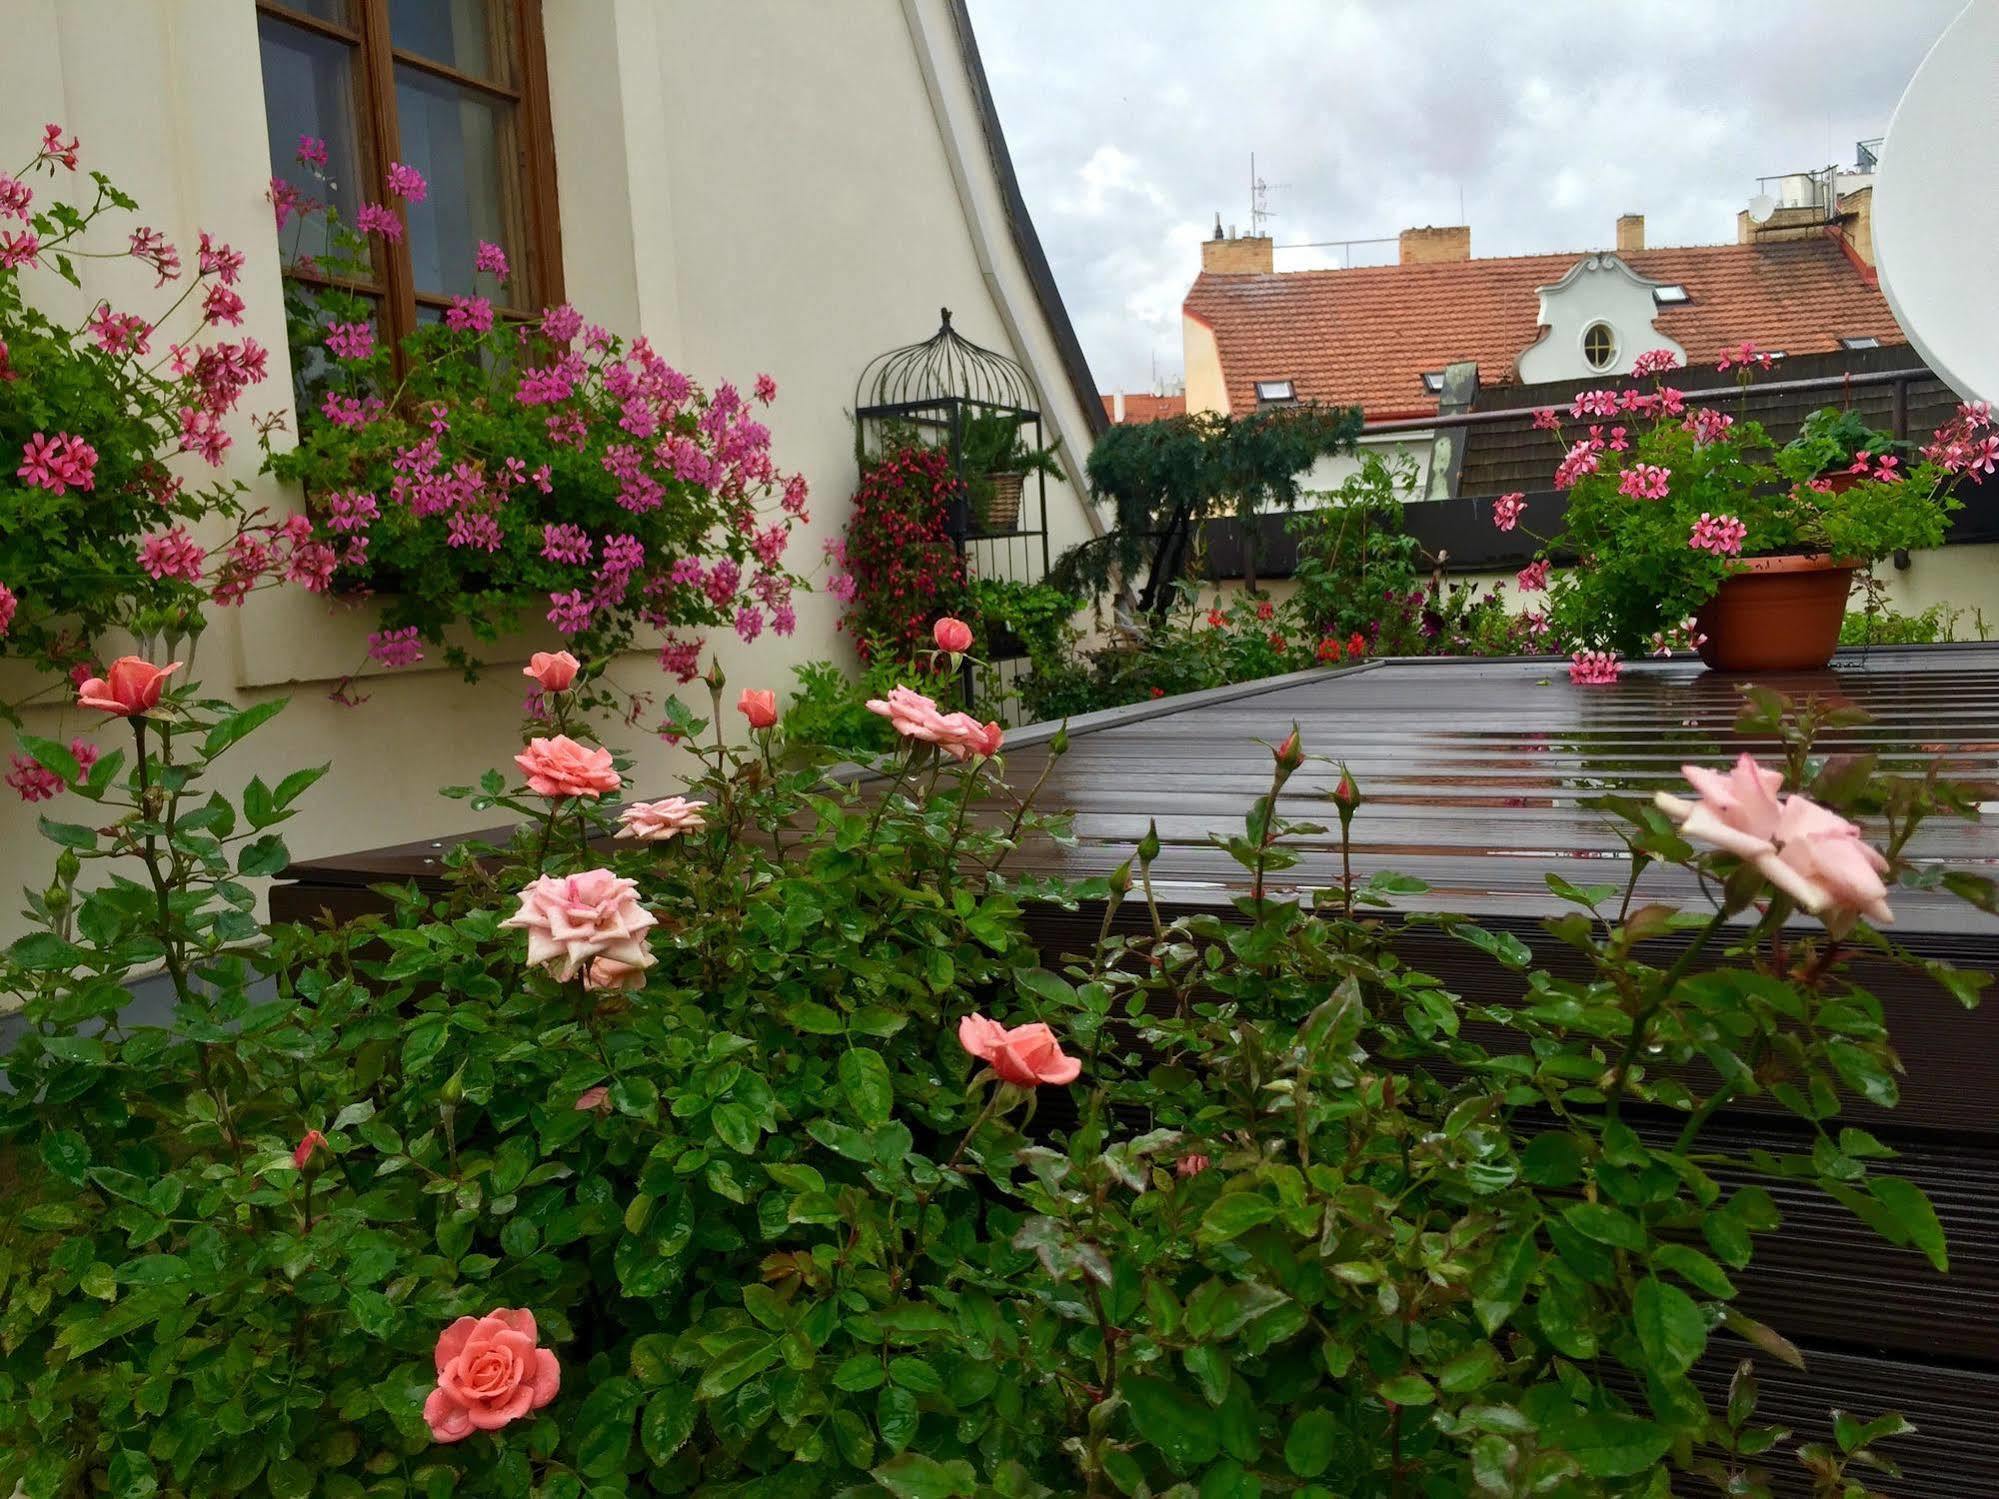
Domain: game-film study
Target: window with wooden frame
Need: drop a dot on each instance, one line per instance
(457, 89)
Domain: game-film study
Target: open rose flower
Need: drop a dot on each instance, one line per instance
(759, 706)
(131, 688)
(912, 715)
(655, 822)
(1024, 1055)
(1737, 812)
(609, 973)
(571, 919)
(952, 635)
(1821, 861)
(964, 737)
(560, 767)
(554, 670)
(489, 1372)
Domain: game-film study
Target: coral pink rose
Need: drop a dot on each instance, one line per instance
(554, 670)
(913, 715)
(609, 973)
(489, 1372)
(130, 689)
(952, 635)
(655, 822)
(573, 918)
(759, 706)
(598, 1097)
(1024, 1055)
(964, 736)
(1737, 812)
(1821, 862)
(561, 767)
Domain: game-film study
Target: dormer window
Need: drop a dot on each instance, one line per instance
(1271, 392)
(1433, 382)
(1670, 296)
(1600, 346)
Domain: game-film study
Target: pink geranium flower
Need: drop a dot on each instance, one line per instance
(1534, 576)
(572, 919)
(1507, 509)
(1644, 481)
(351, 340)
(1024, 1055)
(1594, 668)
(407, 183)
(1719, 534)
(373, 218)
(489, 1372)
(559, 767)
(492, 260)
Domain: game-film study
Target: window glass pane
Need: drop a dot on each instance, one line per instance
(464, 143)
(339, 12)
(469, 35)
(309, 89)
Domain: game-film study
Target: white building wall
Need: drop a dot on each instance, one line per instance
(1599, 288)
(757, 186)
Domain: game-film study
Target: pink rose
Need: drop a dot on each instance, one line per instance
(964, 736)
(598, 1097)
(1024, 1055)
(952, 635)
(1737, 812)
(1820, 861)
(313, 1141)
(554, 670)
(1191, 1165)
(130, 689)
(573, 918)
(759, 706)
(655, 822)
(560, 767)
(913, 715)
(609, 973)
(489, 1372)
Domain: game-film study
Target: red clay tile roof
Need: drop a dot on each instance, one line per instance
(1366, 336)
(1145, 408)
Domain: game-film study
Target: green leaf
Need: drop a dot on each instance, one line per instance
(263, 856)
(603, 1427)
(53, 756)
(43, 952)
(861, 1372)
(293, 785)
(131, 1474)
(1182, 1428)
(1608, 1444)
(1907, 1205)
(812, 1017)
(864, 1080)
(1606, 1225)
(668, 1422)
(895, 1417)
(1670, 1326)
(67, 834)
(1476, 1367)
(746, 1355)
(236, 725)
(909, 1475)
(1233, 1214)
(1554, 1159)
(1407, 1389)
(1308, 1450)
(1695, 1268)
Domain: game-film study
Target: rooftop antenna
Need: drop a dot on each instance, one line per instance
(1259, 199)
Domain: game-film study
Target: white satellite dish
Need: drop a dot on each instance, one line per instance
(1761, 207)
(1935, 220)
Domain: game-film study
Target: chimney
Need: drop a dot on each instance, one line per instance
(1433, 246)
(1247, 255)
(1630, 233)
(1856, 216)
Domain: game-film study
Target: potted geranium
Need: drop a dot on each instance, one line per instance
(1685, 535)
(1836, 444)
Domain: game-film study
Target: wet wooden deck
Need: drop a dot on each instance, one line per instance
(1477, 777)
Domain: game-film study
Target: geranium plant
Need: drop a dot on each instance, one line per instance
(111, 420)
(496, 469)
(1666, 499)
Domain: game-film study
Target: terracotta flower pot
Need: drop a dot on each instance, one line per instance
(1783, 614)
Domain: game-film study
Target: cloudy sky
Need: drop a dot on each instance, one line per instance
(1131, 123)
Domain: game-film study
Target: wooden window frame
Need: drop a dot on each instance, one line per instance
(375, 61)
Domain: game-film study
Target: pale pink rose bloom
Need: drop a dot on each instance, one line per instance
(555, 670)
(560, 767)
(1024, 1055)
(655, 822)
(1737, 812)
(598, 1097)
(609, 973)
(952, 635)
(131, 688)
(1821, 862)
(913, 715)
(489, 1372)
(1192, 1165)
(571, 919)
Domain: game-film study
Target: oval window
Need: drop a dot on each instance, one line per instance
(1600, 346)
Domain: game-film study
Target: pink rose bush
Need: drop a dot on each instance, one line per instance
(1025, 1055)
(553, 670)
(917, 717)
(572, 919)
(490, 1372)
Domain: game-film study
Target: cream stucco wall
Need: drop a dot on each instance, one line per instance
(1201, 356)
(1598, 288)
(756, 186)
